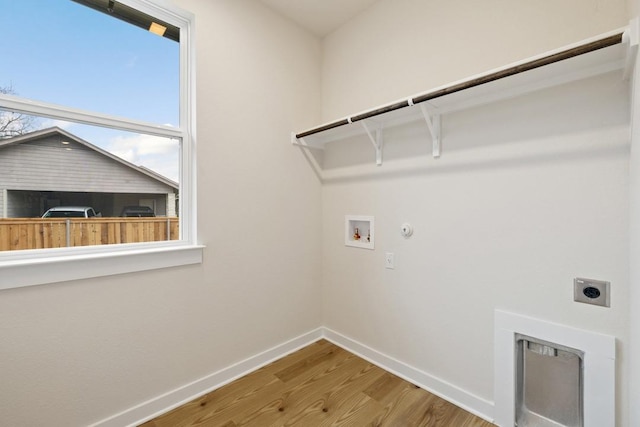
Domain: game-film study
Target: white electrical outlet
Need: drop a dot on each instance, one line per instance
(389, 260)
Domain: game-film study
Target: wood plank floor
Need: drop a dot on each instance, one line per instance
(319, 385)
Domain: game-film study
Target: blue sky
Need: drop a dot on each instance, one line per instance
(61, 52)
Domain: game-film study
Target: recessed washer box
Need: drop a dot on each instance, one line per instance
(590, 291)
(359, 231)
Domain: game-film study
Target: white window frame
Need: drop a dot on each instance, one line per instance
(41, 266)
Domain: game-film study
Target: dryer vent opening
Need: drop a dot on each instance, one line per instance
(549, 384)
(549, 374)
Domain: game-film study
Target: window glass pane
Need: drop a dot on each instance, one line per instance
(93, 185)
(68, 53)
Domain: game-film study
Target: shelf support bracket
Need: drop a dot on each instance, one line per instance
(433, 123)
(375, 135)
(632, 37)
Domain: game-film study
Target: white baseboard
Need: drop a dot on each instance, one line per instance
(465, 400)
(174, 398)
(181, 395)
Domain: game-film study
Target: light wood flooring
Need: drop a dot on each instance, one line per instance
(319, 385)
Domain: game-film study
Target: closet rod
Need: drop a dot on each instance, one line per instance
(381, 110)
(527, 66)
(323, 128)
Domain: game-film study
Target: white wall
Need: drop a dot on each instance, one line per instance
(75, 353)
(401, 47)
(634, 193)
(528, 194)
(634, 8)
(634, 259)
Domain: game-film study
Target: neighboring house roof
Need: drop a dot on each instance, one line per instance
(43, 133)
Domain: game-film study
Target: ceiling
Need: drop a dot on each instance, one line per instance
(319, 16)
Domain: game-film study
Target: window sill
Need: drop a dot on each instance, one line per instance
(17, 273)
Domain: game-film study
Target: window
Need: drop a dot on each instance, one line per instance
(97, 159)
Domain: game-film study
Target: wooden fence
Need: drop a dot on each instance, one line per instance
(43, 233)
